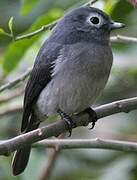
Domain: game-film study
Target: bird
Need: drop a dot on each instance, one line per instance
(70, 71)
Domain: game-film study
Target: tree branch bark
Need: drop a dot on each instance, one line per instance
(10, 110)
(11, 95)
(55, 129)
(89, 143)
(34, 33)
(46, 174)
(16, 81)
(123, 39)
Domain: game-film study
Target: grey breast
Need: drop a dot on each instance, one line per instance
(80, 74)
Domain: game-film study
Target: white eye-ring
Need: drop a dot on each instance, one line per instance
(95, 20)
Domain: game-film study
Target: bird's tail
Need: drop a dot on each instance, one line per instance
(20, 160)
(21, 156)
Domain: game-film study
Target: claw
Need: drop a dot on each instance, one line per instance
(93, 116)
(69, 124)
(68, 120)
(93, 125)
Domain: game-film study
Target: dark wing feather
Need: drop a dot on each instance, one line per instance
(39, 78)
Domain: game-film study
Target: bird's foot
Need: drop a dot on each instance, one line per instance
(92, 115)
(69, 121)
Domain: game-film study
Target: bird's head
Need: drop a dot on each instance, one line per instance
(85, 24)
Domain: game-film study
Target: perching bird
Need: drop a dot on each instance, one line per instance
(70, 71)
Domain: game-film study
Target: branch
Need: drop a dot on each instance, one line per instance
(11, 95)
(125, 105)
(51, 164)
(89, 143)
(46, 174)
(10, 110)
(117, 38)
(38, 31)
(46, 27)
(123, 39)
(90, 3)
(55, 129)
(16, 81)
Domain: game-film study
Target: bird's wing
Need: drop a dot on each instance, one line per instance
(39, 78)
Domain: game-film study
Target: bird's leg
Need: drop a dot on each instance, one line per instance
(69, 121)
(92, 115)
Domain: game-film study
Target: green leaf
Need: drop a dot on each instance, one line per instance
(109, 6)
(2, 31)
(17, 49)
(14, 54)
(27, 6)
(118, 14)
(10, 25)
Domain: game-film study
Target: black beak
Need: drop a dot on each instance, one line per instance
(116, 25)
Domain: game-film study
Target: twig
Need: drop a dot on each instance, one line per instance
(42, 29)
(89, 143)
(123, 39)
(51, 161)
(45, 27)
(59, 127)
(125, 105)
(93, 2)
(10, 110)
(16, 81)
(90, 3)
(11, 95)
(117, 38)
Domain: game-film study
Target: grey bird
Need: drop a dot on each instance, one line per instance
(70, 71)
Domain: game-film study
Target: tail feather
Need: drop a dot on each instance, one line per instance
(21, 157)
(20, 160)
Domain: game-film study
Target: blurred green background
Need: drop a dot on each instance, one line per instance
(17, 57)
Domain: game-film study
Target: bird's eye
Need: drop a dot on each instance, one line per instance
(94, 20)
